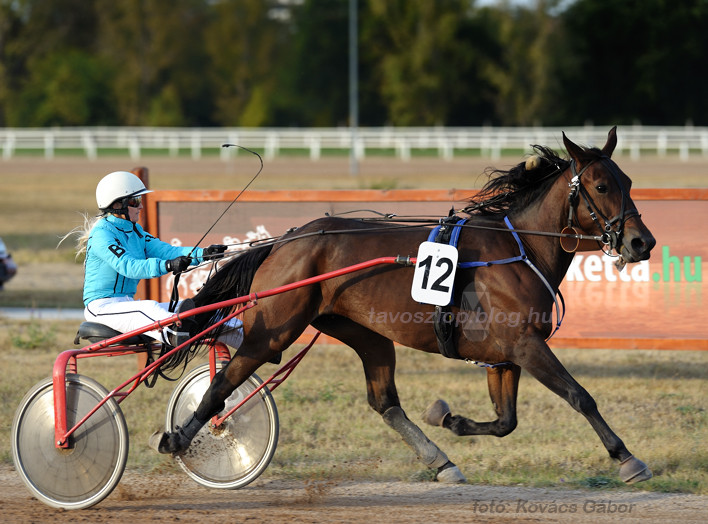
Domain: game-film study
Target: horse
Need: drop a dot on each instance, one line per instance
(584, 200)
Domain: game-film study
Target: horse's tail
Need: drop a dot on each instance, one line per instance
(230, 281)
(234, 278)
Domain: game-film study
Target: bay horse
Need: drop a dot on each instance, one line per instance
(586, 194)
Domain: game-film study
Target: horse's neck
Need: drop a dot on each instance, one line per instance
(550, 214)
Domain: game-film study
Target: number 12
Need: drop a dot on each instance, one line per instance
(427, 263)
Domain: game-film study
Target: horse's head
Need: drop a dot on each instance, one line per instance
(600, 201)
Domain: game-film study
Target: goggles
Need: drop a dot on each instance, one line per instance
(134, 201)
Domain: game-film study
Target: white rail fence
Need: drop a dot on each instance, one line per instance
(446, 142)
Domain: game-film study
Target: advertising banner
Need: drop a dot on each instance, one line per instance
(656, 303)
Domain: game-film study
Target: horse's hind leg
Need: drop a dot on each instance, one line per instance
(223, 384)
(426, 450)
(259, 346)
(378, 356)
(541, 363)
(503, 383)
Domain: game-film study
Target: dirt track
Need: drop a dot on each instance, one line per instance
(173, 497)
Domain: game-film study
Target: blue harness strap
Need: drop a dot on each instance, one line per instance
(560, 310)
(557, 296)
(454, 236)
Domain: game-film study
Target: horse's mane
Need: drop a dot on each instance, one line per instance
(508, 191)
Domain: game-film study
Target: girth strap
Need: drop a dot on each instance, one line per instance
(444, 320)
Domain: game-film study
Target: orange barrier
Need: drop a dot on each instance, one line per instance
(655, 304)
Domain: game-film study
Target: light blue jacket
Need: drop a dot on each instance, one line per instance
(119, 254)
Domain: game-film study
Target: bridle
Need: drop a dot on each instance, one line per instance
(613, 228)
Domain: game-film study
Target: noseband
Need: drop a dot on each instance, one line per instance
(611, 236)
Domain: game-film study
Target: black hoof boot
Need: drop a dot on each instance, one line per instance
(169, 442)
(178, 441)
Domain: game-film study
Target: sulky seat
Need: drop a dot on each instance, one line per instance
(96, 332)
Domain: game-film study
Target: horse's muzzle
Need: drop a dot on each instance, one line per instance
(637, 247)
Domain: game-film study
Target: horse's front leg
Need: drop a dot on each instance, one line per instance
(503, 383)
(538, 359)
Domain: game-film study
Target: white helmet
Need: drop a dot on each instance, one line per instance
(118, 185)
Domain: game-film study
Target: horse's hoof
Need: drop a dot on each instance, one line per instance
(164, 442)
(156, 440)
(451, 475)
(633, 470)
(436, 412)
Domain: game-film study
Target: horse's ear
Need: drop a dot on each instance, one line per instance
(611, 142)
(574, 150)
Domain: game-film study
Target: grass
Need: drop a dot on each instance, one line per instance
(327, 430)
(42, 298)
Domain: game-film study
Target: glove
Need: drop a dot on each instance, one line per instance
(214, 251)
(177, 265)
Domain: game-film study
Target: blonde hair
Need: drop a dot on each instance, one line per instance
(82, 233)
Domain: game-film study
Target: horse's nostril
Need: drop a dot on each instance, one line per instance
(641, 245)
(638, 244)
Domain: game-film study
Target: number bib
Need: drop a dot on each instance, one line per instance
(434, 274)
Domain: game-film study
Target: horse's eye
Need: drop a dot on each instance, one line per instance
(602, 188)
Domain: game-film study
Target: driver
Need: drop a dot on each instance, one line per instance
(119, 253)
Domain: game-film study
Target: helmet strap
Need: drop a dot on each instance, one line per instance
(123, 210)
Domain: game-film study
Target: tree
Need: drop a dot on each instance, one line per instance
(434, 60)
(40, 45)
(315, 72)
(272, 62)
(155, 48)
(243, 45)
(636, 60)
(522, 73)
(66, 88)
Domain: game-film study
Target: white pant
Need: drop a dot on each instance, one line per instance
(125, 314)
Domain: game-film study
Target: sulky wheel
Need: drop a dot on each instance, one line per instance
(236, 453)
(86, 472)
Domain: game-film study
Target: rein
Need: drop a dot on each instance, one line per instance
(609, 236)
(405, 223)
